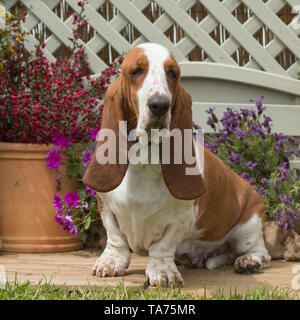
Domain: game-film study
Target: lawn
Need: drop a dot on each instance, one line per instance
(47, 291)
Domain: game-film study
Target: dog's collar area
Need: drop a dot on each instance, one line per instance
(150, 143)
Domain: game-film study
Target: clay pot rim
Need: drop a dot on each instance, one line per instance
(18, 146)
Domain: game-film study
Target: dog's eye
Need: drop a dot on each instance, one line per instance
(137, 72)
(172, 74)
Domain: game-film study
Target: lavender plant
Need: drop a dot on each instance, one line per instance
(244, 140)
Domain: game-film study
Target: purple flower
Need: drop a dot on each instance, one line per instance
(260, 190)
(58, 180)
(58, 205)
(287, 200)
(62, 141)
(67, 223)
(211, 111)
(72, 198)
(234, 158)
(246, 176)
(266, 123)
(277, 147)
(211, 123)
(251, 165)
(264, 182)
(53, 158)
(259, 104)
(89, 191)
(280, 138)
(284, 173)
(282, 219)
(87, 157)
(196, 126)
(245, 113)
(93, 133)
(85, 207)
(295, 141)
(240, 134)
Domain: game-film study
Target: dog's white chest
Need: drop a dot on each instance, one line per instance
(144, 208)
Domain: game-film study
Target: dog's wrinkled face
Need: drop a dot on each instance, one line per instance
(152, 76)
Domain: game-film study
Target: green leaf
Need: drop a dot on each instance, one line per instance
(87, 223)
(71, 149)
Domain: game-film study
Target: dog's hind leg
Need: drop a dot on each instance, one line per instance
(248, 244)
(245, 247)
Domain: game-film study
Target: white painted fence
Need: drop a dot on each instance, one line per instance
(219, 81)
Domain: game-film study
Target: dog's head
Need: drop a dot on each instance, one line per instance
(148, 95)
(151, 78)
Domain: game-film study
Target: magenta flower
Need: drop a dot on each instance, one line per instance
(58, 205)
(93, 133)
(87, 158)
(53, 158)
(67, 223)
(62, 141)
(89, 191)
(72, 198)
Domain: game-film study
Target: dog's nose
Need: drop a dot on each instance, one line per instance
(159, 105)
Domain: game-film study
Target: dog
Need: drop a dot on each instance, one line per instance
(201, 220)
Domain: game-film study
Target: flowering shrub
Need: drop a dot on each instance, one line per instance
(42, 102)
(244, 140)
(78, 211)
(58, 103)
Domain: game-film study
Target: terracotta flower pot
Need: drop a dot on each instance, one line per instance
(27, 187)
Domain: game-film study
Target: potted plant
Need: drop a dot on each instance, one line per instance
(42, 105)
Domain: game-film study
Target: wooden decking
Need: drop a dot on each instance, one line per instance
(73, 269)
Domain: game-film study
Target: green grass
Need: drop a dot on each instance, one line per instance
(46, 291)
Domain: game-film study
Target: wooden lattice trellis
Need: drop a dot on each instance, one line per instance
(196, 33)
(246, 47)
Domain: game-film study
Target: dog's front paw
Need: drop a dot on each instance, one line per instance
(163, 272)
(112, 263)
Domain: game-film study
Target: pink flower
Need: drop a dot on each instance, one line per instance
(87, 158)
(62, 141)
(53, 158)
(89, 191)
(58, 204)
(93, 133)
(72, 198)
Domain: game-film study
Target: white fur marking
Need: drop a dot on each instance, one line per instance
(155, 81)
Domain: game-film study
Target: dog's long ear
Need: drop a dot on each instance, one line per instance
(106, 177)
(181, 185)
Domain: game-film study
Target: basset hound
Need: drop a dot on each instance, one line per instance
(202, 220)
